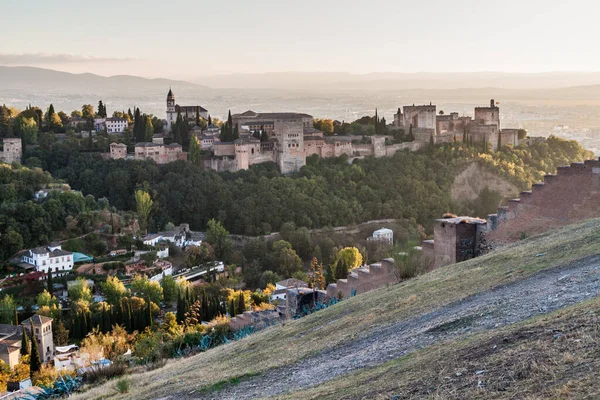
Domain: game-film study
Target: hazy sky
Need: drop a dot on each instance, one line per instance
(191, 38)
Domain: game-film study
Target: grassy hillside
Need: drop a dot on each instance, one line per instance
(549, 357)
(357, 317)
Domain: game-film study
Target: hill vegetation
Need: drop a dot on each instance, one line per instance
(327, 192)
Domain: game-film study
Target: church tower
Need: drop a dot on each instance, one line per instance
(171, 114)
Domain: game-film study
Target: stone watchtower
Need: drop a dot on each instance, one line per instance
(13, 150)
(171, 113)
(42, 329)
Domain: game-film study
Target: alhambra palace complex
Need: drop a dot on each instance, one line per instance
(292, 137)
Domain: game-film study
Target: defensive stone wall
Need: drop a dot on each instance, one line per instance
(364, 279)
(572, 195)
(259, 319)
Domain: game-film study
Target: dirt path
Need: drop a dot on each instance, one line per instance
(518, 301)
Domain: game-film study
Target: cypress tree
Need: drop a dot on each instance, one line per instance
(376, 123)
(24, 343)
(180, 312)
(232, 309)
(128, 318)
(241, 303)
(236, 132)
(229, 119)
(34, 362)
(16, 315)
(149, 312)
(197, 115)
(209, 120)
(50, 283)
(76, 327)
(499, 141)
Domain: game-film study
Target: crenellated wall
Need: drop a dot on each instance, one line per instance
(364, 279)
(572, 195)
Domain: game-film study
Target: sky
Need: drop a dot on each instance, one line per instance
(187, 39)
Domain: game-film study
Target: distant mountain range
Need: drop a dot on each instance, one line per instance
(28, 78)
(401, 81)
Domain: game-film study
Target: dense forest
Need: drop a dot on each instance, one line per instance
(331, 192)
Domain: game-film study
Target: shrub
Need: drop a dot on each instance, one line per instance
(102, 374)
(123, 385)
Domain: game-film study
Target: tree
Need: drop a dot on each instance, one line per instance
(53, 120)
(50, 282)
(284, 259)
(60, 334)
(218, 237)
(87, 111)
(35, 361)
(209, 120)
(197, 115)
(148, 128)
(144, 288)
(195, 152)
(101, 110)
(317, 279)
(169, 287)
(143, 204)
(198, 255)
(7, 309)
(80, 291)
(114, 290)
(4, 121)
(24, 343)
(76, 114)
(351, 256)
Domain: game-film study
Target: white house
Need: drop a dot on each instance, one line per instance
(384, 235)
(52, 257)
(152, 239)
(116, 125)
(166, 269)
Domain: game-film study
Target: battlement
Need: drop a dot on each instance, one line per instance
(363, 279)
(569, 196)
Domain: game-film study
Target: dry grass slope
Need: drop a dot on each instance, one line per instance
(355, 317)
(551, 357)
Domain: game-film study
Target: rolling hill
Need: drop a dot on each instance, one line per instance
(517, 323)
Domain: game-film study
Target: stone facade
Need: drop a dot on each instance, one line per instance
(12, 150)
(118, 151)
(160, 153)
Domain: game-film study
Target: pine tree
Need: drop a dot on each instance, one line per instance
(24, 343)
(35, 361)
(50, 283)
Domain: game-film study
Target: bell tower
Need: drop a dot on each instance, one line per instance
(171, 114)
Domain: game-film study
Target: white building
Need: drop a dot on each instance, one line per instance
(116, 125)
(152, 239)
(52, 257)
(384, 235)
